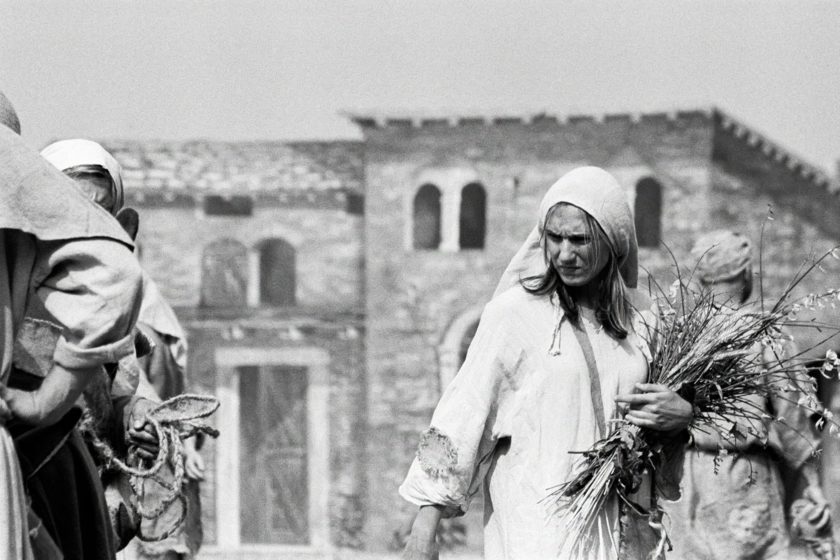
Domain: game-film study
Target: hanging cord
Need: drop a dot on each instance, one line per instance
(172, 421)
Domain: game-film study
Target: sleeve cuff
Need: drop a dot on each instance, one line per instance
(71, 356)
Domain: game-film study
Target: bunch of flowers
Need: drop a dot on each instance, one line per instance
(719, 358)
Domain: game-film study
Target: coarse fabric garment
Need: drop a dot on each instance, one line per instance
(66, 492)
(721, 255)
(156, 313)
(738, 513)
(36, 198)
(168, 378)
(510, 419)
(76, 259)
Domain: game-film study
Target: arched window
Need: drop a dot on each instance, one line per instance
(224, 274)
(473, 217)
(277, 272)
(648, 212)
(427, 217)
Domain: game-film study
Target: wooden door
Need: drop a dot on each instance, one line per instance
(274, 482)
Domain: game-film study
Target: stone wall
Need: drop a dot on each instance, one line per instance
(327, 242)
(413, 296)
(343, 339)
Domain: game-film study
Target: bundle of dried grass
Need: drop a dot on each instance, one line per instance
(719, 358)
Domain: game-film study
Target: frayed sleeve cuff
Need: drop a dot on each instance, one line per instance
(72, 356)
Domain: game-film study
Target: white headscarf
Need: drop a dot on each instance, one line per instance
(597, 193)
(66, 154)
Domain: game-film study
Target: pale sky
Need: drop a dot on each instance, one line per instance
(164, 69)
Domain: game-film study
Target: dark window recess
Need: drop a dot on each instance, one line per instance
(277, 272)
(427, 217)
(648, 212)
(355, 204)
(215, 205)
(224, 274)
(473, 217)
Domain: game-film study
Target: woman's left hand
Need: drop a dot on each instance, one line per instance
(656, 407)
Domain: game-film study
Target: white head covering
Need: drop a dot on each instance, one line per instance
(597, 193)
(721, 255)
(66, 154)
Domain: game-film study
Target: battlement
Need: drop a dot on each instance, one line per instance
(420, 120)
(749, 137)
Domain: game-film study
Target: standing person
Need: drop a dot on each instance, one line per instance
(163, 370)
(74, 259)
(561, 342)
(732, 505)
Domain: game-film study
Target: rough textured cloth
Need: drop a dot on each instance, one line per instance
(721, 255)
(597, 193)
(66, 154)
(167, 377)
(157, 314)
(36, 198)
(47, 225)
(63, 484)
(510, 418)
(738, 513)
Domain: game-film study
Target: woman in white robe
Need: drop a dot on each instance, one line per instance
(526, 395)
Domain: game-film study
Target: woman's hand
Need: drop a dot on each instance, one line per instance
(22, 405)
(140, 434)
(421, 543)
(656, 407)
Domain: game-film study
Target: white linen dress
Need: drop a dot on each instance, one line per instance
(510, 419)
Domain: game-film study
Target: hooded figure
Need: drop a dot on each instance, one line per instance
(563, 338)
(73, 257)
(93, 168)
(162, 371)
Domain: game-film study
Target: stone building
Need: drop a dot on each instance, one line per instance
(330, 289)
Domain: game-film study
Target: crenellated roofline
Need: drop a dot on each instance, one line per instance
(721, 118)
(780, 155)
(425, 119)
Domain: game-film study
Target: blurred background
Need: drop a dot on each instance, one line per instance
(329, 191)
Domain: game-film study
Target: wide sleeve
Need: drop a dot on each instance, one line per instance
(794, 402)
(469, 420)
(92, 287)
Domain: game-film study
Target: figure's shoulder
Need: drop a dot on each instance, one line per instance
(515, 300)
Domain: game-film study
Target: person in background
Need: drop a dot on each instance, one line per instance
(732, 505)
(163, 369)
(67, 255)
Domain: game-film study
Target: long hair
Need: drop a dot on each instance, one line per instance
(612, 308)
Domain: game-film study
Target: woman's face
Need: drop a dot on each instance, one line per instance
(577, 254)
